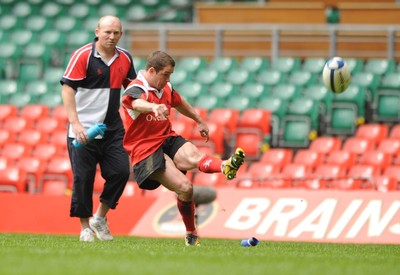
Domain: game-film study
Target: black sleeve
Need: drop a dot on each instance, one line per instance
(134, 92)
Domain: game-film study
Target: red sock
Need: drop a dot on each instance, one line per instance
(209, 164)
(186, 208)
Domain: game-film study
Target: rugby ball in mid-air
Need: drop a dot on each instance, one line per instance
(336, 75)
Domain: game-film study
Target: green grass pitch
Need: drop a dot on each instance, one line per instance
(54, 254)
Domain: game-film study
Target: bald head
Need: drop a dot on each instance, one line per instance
(109, 21)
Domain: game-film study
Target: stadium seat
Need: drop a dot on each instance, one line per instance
(227, 117)
(7, 110)
(355, 65)
(213, 179)
(9, 87)
(308, 157)
(254, 64)
(277, 156)
(59, 168)
(314, 65)
(179, 76)
(395, 131)
(30, 71)
(36, 89)
(23, 37)
(34, 168)
(379, 66)
(373, 131)
(66, 24)
(6, 137)
(285, 91)
(3, 161)
(223, 64)
(24, 9)
(208, 102)
(140, 64)
(377, 159)
(49, 125)
(207, 76)
(16, 124)
(262, 172)
(326, 144)
(190, 122)
(392, 171)
(250, 142)
(343, 158)
(44, 151)
(12, 179)
(390, 81)
(270, 77)
(238, 76)
(292, 175)
(385, 183)
(390, 146)
(321, 94)
(182, 128)
(34, 112)
(59, 113)
(217, 138)
(324, 176)
(286, 64)
(358, 146)
(191, 64)
(255, 119)
(59, 138)
(54, 188)
(302, 79)
(36, 23)
(31, 137)
(191, 90)
(10, 22)
(14, 151)
(295, 132)
(223, 90)
(81, 10)
(255, 91)
(362, 175)
(385, 106)
(239, 103)
(366, 80)
(76, 38)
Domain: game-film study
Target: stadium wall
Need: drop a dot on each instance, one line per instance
(269, 215)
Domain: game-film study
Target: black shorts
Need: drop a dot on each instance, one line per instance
(155, 161)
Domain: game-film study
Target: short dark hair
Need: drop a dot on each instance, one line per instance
(159, 60)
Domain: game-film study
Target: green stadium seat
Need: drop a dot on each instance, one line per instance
(179, 76)
(390, 81)
(270, 77)
(4, 36)
(52, 9)
(171, 14)
(208, 76)
(286, 64)
(314, 65)
(191, 64)
(52, 38)
(140, 63)
(90, 24)
(208, 102)
(109, 9)
(20, 100)
(30, 71)
(386, 106)
(223, 90)
(379, 66)
(36, 89)
(66, 24)
(23, 37)
(37, 23)
(355, 65)
(367, 80)
(285, 91)
(305, 107)
(255, 91)
(191, 90)
(9, 54)
(223, 64)
(302, 78)
(254, 64)
(37, 52)
(76, 39)
(239, 103)
(53, 75)
(82, 10)
(239, 76)
(24, 9)
(10, 22)
(138, 13)
(51, 99)
(9, 87)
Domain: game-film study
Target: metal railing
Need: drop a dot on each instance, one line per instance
(271, 40)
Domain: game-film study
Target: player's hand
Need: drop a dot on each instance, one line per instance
(80, 133)
(160, 110)
(204, 132)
